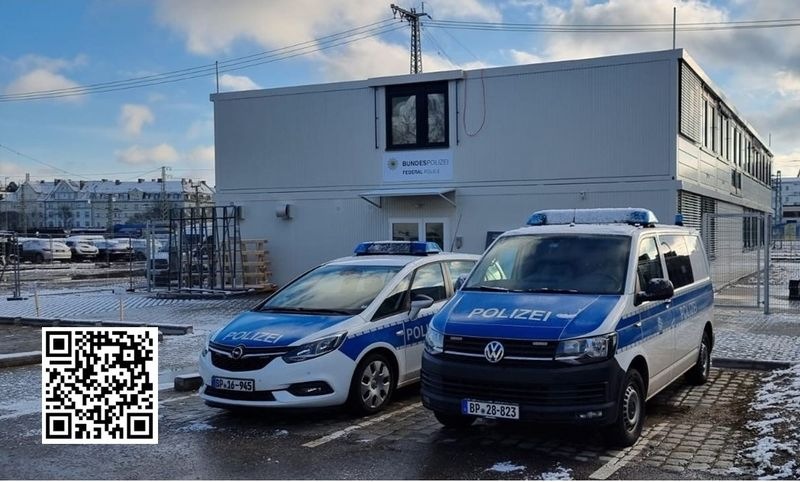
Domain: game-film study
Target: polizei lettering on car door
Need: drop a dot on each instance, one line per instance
(508, 314)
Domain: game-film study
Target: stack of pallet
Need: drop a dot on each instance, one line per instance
(255, 263)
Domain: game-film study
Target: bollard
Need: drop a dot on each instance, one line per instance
(36, 299)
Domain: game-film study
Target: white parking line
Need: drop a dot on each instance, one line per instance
(366, 423)
(628, 454)
(177, 398)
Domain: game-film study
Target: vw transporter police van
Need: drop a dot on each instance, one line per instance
(580, 317)
(350, 330)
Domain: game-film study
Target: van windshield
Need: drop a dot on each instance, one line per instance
(558, 263)
(333, 289)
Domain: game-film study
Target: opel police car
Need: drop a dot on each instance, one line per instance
(579, 317)
(348, 331)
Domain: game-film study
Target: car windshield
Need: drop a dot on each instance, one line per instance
(334, 289)
(558, 263)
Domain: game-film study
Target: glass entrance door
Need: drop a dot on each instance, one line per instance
(420, 229)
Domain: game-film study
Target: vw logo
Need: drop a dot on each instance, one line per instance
(237, 352)
(494, 351)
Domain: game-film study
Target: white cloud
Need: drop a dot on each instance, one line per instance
(38, 73)
(137, 155)
(236, 82)
(788, 83)
(133, 117)
(203, 156)
(522, 57)
(202, 128)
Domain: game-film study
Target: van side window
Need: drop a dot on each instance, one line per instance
(457, 268)
(676, 256)
(396, 301)
(429, 281)
(698, 258)
(649, 264)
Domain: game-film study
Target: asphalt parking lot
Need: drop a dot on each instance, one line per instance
(691, 432)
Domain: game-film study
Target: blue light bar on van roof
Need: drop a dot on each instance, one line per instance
(644, 217)
(413, 248)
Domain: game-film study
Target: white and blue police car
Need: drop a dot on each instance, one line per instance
(580, 317)
(348, 331)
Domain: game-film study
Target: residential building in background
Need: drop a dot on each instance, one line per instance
(457, 157)
(68, 204)
(790, 198)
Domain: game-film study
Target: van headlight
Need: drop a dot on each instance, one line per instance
(586, 350)
(314, 349)
(434, 341)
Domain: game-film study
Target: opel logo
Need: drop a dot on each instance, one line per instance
(237, 352)
(494, 351)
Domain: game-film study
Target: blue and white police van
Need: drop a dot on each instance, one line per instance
(350, 330)
(579, 317)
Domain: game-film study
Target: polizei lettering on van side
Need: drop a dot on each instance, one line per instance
(515, 314)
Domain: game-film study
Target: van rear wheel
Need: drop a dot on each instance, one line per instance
(630, 412)
(699, 373)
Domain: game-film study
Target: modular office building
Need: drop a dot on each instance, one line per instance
(459, 156)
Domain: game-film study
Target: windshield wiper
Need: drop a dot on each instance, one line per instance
(291, 309)
(486, 288)
(546, 290)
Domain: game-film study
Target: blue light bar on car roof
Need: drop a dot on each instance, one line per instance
(413, 248)
(643, 217)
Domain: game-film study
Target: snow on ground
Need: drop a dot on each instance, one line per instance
(775, 421)
(505, 467)
(558, 473)
(197, 427)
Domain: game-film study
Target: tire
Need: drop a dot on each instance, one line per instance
(373, 384)
(698, 374)
(38, 258)
(452, 420)
(625, 431)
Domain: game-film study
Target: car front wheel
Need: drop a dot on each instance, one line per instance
(373, 384)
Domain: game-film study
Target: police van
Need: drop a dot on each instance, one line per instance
(350, 330)
(579, 317)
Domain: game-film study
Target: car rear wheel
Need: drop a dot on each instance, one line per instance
(453, 420)
(372, 385)
(699, 373)
(630, 412)
(38, 258)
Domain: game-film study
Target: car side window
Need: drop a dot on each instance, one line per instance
(457, 268)
(396, 302)
(649, 263)
(697, 257)
(429, 281)
(676, 256)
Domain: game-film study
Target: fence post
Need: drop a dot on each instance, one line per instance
(768, 234)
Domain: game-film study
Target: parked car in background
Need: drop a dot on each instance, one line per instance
(81, 248)
(44, 250)
(141, 250)
(113, 250)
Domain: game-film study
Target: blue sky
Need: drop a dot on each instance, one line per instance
(131, 133)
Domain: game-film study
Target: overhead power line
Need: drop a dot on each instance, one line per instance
(229, 65)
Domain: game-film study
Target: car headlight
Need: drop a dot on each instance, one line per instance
(314, 349)
(586, 350)
(434, 341)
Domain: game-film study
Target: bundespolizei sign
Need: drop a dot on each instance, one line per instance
(428, 165)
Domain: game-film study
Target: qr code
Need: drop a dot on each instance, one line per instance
(99, 385)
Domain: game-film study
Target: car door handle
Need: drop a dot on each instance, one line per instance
(399, 332)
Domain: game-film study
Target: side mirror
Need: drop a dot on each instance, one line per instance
(462, 278)
(657, 289)
(419, 303)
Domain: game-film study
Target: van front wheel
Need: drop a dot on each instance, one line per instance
(630, 412)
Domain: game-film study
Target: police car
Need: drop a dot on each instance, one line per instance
(350, 330)
(579, 317)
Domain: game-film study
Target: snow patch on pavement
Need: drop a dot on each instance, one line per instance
(505, 467)
(197, 427)
(558, 473)
(775, 421)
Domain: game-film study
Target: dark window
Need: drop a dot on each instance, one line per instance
(676, 256)
(417, 116)
(649, 265)
(396, 302)
(429, 281)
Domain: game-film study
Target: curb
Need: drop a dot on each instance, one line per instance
(166, 329)
(746, 364)
(20, 359)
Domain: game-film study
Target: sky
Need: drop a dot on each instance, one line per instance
(130, 133)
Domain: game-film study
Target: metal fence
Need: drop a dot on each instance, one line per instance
(752, 266)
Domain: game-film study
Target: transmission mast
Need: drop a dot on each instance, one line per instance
(412, 17)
